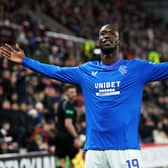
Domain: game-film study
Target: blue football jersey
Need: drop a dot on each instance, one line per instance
(113, 96)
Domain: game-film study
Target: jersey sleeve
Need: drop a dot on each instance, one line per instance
(69, 113)
(65, 74)
(152, 72)
(68, 110)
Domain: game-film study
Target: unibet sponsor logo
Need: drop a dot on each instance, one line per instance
(107, 88)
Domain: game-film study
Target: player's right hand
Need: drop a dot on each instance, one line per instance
(13, 54)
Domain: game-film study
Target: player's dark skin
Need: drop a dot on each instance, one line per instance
(108, 42)
(14, 54)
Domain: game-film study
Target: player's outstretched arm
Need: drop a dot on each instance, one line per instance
(14, 54)
(17, 55)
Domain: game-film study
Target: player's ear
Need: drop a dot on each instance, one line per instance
(98, 43)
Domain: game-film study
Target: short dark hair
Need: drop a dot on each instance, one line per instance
(111, 26)
(68, 86)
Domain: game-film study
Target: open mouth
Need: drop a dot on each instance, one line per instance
(107, 43)
(104, 41)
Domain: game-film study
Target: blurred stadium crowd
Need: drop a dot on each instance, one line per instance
(29, 101)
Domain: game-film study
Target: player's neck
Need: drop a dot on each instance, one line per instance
(109, 59)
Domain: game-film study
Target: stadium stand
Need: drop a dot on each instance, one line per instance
(28, 102)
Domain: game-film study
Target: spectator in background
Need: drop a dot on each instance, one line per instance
(49, 100)
(6, 140)
(6, 83)
(154, 56)
(21, 85)
(5, 131)
(43, 137)
(4, 147)
(147, 127)
(161, 133)
(6, 112)
(22, 124)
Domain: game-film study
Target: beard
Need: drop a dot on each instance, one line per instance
(109, 50)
